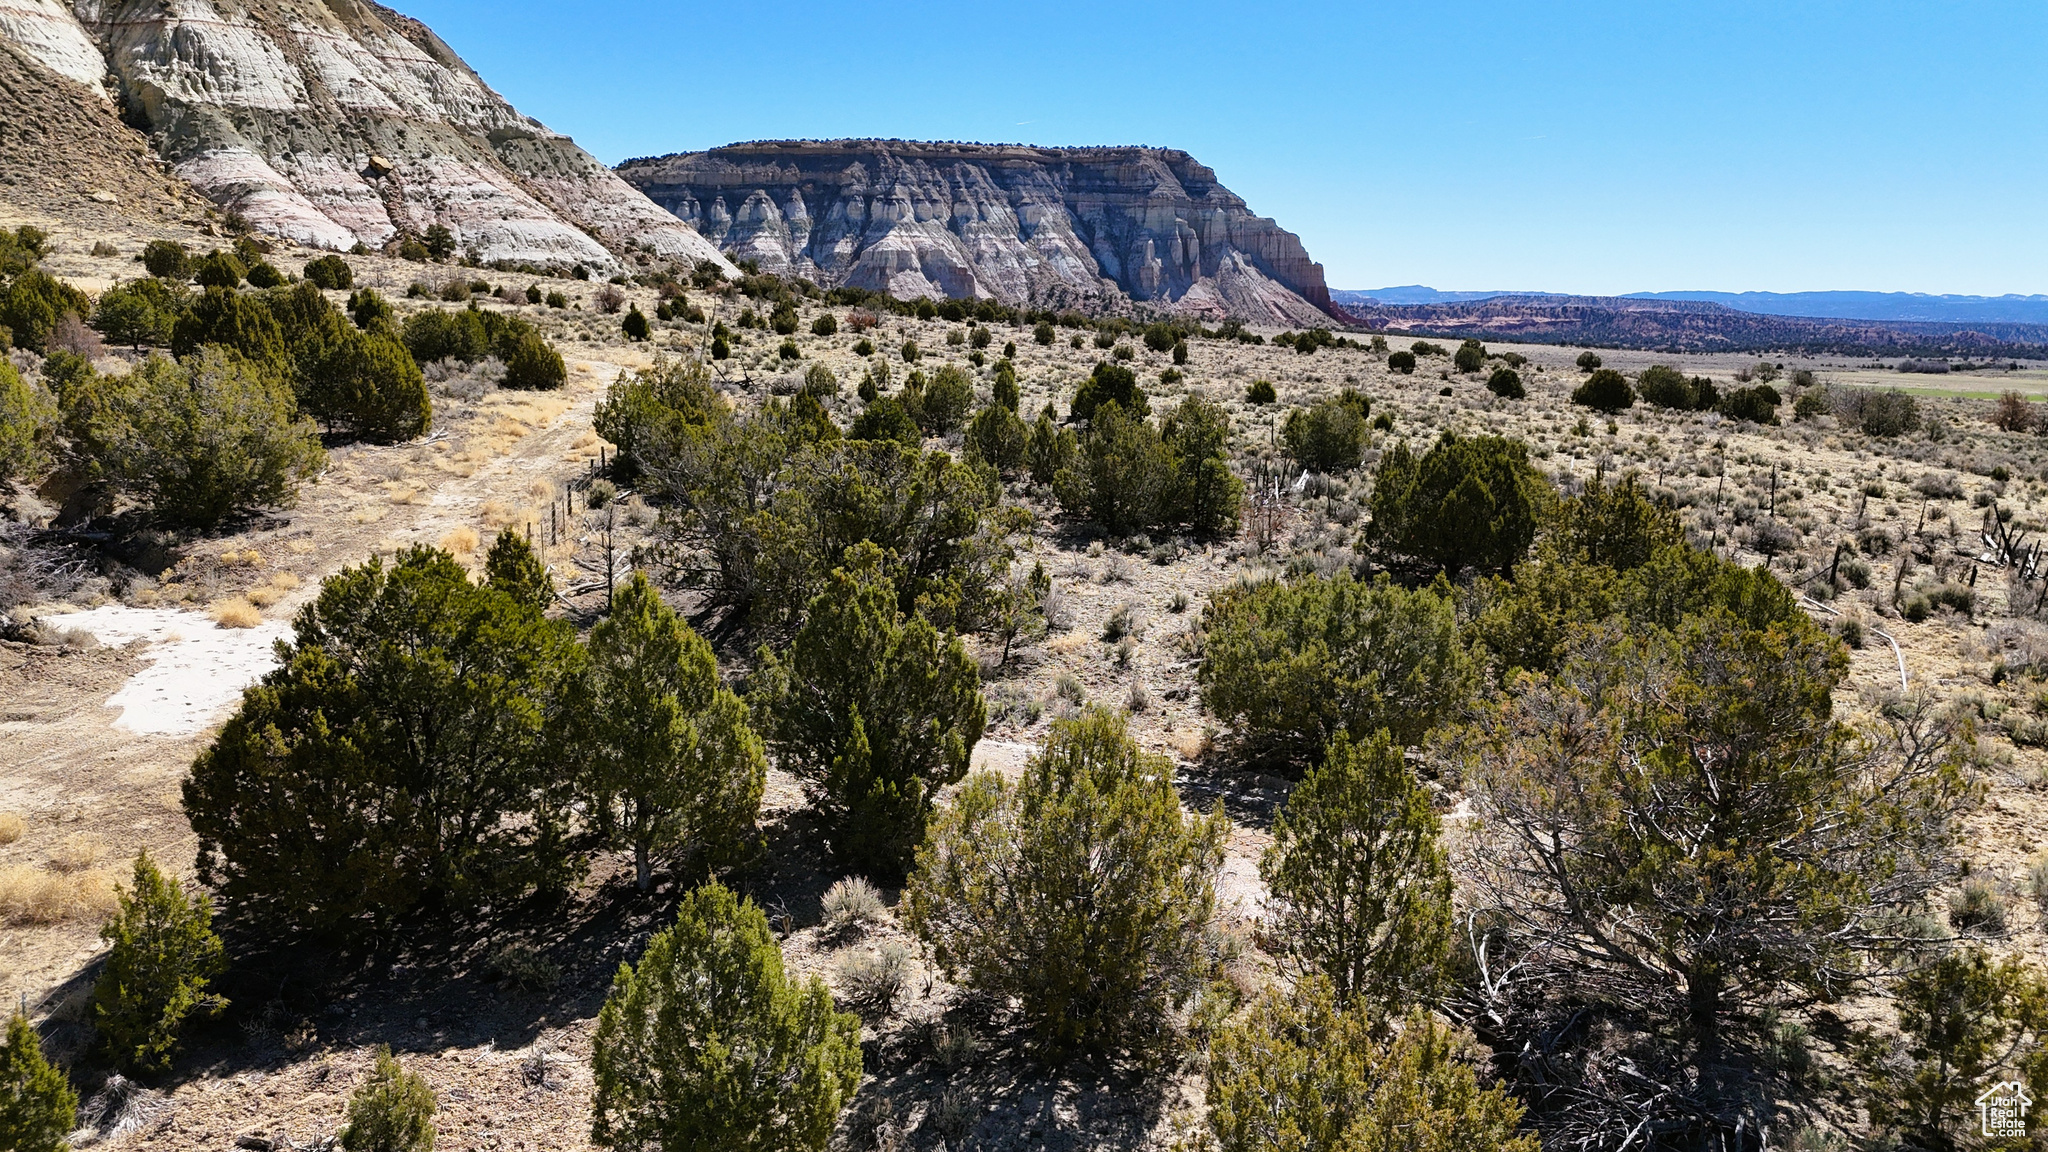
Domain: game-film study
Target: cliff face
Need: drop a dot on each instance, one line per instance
(276, 108)
(1042, 226)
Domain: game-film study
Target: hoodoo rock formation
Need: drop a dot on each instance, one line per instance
(274, 108)
(1025, 225)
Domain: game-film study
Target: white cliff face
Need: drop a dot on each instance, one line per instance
(52, 37)
(274, 108)
(1042, 226)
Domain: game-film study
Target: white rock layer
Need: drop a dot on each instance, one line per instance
(1041, 226)
(273, 108)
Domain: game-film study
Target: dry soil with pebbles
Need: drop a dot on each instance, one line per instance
(499, 1021)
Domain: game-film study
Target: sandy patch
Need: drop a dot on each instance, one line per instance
(196, 669)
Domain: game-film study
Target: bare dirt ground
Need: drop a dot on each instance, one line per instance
(508, 1056)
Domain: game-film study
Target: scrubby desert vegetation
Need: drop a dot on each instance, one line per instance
(720, 713)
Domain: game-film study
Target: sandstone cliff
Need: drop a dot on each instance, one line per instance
(1050, 226)
(284, 110)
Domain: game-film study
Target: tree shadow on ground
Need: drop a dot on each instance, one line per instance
(501, 977)
(964, 1080)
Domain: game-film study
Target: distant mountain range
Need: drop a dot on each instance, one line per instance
(1917, 307)
(1660, 324)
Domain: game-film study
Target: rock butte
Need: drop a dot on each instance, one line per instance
(1025, 225)
(339, 122)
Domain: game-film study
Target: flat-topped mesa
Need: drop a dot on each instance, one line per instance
(274, 109)
(1013, 222)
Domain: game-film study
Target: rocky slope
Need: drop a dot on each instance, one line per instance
(1044, 226)
(66, 156)
(337, 122)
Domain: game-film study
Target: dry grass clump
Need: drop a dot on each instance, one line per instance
(264, 595)
(11, 827)
(852, 903)
(460, 541)
(235, 612)
(78, 851)
(33, 896)
(874, 981)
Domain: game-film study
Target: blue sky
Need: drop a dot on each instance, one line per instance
(1584, 147)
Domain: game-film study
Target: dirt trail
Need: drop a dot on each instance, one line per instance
(79, 776)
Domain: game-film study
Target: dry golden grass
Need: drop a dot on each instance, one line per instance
(589, 439)
(11, 827)
(33, 896)
(284, 581)
(497, 514)
(78, 852)
(301, 547)
(367, 514)
(461, 541)
(403, 492)
(235, 612)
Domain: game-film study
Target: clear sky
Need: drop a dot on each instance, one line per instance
(1596, 147)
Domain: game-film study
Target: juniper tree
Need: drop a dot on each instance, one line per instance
(1362, 885)
(512, 567)
(706, 1046)
(667, 754)
(1291, 665)
(1204, 496)
(26, 419)
(1467, 503)
(1110, 383)
(1605, 391)
(874, 710)
(1966, 1020)
(330, 272)
(1083, 890)
(392, 1111)
(1330, 435)
(996, 437)
(946, 400)
(398, 757)
(1004, 388)
(1301, 1072)
(199, 440)
(139, 312)
(1050, 449)
(164, 953)
(367, 385)
(1123, 475)
(240, 321)
(38, 1109)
